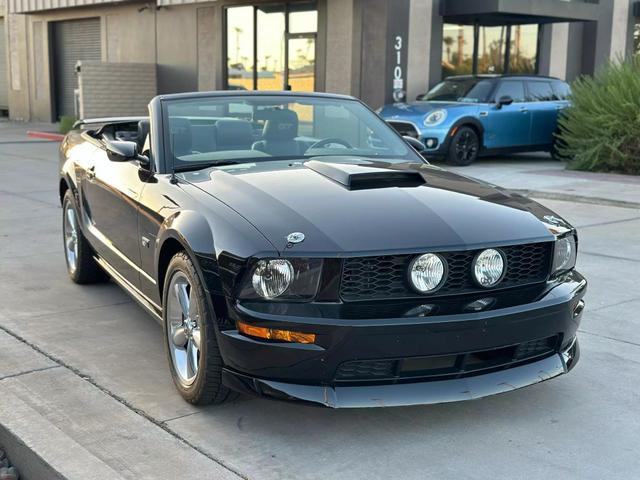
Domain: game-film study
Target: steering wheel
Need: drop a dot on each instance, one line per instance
(328, 141)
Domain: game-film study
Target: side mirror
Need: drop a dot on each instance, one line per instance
(421, 97)
(415, 143)
(122, 151)
(504, 100)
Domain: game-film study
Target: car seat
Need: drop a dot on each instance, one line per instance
(233, 134)
(279, 134)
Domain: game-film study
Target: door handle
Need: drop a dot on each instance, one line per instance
(91, 173)
(523, 110)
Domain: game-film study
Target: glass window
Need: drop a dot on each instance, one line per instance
(283, 60)
(302, 63)
(539, 91)
(524, 49)
(205, 130)
(270, 54)
(303, 18)
(636, 39)
(457, 49)
(511, 88)
(491, 48)
(470, 90)
(561, 90)
(240, 48)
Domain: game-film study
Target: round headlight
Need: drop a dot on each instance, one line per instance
(435, 118)
(564, 257)
(272, 277)
(426, 272)
(488, 267)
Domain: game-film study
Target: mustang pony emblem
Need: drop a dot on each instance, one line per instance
(295, 237)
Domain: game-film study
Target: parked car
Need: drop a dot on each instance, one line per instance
(295, 246)
(467, 116)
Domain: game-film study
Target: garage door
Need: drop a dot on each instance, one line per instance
(73, 40)
(4, 90)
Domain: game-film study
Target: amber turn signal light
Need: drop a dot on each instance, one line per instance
(274, 334)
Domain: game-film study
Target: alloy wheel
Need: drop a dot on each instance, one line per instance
(466, 147)
(71, 237)
(183, 328)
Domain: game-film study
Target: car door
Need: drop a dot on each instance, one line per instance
(562, 93)
(507, 126)
(544, 111)
(111, 192)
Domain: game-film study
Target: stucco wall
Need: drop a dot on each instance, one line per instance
(420, 47)
(340, 46)
(131, 33)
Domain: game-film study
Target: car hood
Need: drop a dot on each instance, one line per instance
(437, 209)
(400, 110)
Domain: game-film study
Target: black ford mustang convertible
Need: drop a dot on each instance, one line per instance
(295, 246)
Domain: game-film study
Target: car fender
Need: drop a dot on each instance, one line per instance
(189, 228)
(467, 120)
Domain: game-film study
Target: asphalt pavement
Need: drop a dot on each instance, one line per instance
(85, 390)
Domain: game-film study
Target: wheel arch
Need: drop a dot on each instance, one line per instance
(471, 122)
(186, 231)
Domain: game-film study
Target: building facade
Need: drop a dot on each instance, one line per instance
(378, 50)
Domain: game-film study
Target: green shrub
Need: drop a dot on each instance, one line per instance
(601, 130)
(66, 124)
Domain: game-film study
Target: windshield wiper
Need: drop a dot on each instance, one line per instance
(202, 165)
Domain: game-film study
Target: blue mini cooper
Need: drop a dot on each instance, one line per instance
(466, 116)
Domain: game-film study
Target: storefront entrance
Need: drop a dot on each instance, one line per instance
(271, 47)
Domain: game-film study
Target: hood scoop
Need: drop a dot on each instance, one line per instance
(363, 177)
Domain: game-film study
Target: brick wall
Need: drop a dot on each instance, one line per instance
(115, 89)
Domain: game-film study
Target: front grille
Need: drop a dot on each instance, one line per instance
(407, 129)
(446, 366)
(385, 277)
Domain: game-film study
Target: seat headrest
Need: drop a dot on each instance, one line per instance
(234, 133)
(282, 125)
(180, 136)
(144, 127)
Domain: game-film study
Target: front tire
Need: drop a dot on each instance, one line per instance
(79, 255)
(190, 339)
(464, 147)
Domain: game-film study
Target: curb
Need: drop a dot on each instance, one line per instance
(575, 198)
(56, 137)
(32, 465)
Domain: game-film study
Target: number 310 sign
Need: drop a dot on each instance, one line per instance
(398, 75)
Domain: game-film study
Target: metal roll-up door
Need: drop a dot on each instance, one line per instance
(4, 82)
(73, 40)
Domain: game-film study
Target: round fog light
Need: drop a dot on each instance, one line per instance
(426, 272)
(488, 267)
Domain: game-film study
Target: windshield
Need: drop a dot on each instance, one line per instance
(221, 130)
(471, 90)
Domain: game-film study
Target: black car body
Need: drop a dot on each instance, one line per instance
(350, 330)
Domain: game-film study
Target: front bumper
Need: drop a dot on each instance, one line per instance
(309, 372)
(438, 135)
(421, 393)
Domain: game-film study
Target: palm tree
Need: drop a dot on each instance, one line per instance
(238, 31)
(448, 41)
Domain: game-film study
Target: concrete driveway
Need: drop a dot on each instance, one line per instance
(85, 384)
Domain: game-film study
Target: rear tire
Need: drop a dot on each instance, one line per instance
(190, 338)
(464, 147)
(79, 255)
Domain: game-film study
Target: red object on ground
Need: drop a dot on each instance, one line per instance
(58, 137)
